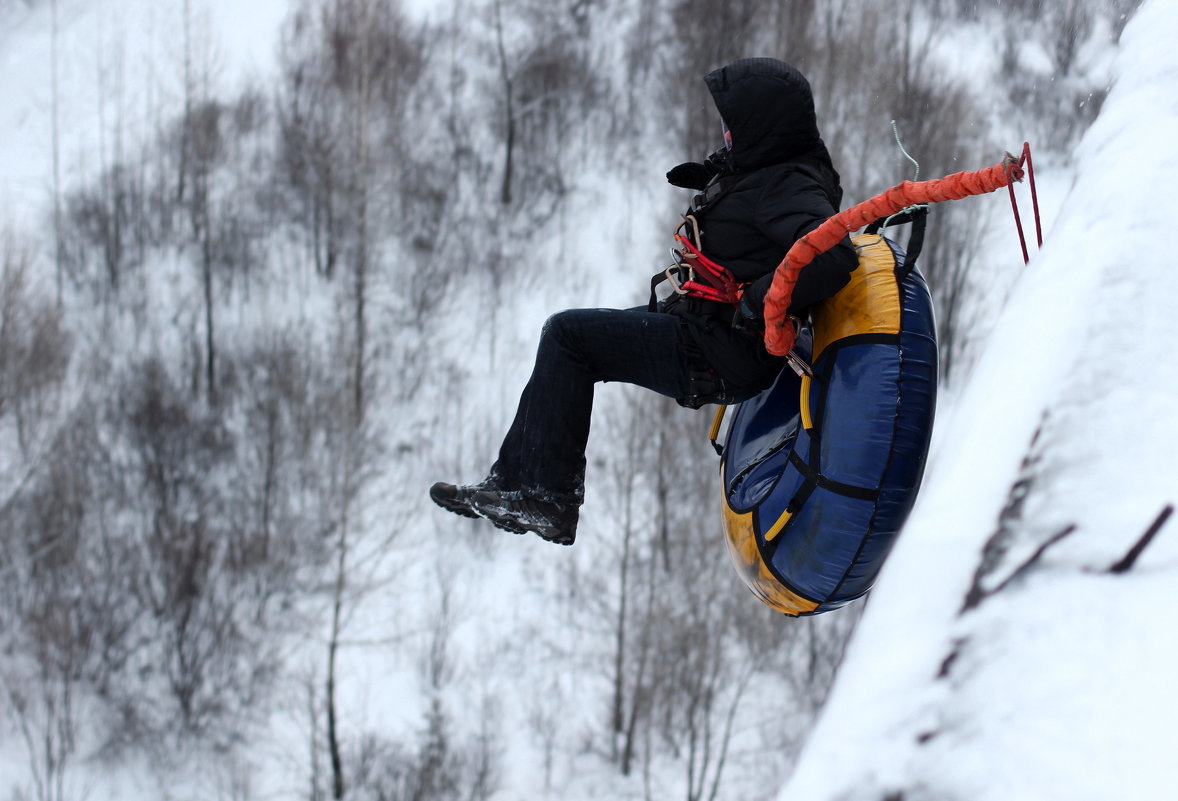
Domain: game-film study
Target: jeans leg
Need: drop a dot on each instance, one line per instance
(544, 450)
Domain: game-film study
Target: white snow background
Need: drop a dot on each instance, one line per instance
(1059, 684)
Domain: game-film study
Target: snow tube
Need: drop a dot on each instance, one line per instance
(819, 473)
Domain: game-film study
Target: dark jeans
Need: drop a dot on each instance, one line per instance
(544, 450)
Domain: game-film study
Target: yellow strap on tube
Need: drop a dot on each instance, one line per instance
(716, 421)
(772, 533)
(804, 403)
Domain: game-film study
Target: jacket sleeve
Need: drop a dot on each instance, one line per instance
(790, 207)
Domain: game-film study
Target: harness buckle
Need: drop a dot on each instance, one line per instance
(799, 365)
(796, 362)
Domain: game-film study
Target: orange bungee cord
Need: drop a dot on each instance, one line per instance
(780, 329)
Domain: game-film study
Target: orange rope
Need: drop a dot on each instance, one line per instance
(779, 330)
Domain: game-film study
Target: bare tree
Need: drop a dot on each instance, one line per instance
(56, 144)
(505, 75)
(544, 85)
(45, 710)
(641, 526)
(35, 347)
(53, 633)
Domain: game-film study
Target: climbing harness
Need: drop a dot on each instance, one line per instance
(701, 289)
(692, 274)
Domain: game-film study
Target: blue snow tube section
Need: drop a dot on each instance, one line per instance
(820, 471)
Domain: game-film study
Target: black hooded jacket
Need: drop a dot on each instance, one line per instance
(774, 185)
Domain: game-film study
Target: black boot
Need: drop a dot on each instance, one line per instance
(520, 512)
(457, 499)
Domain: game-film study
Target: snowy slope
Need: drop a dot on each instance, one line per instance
(1059, 683)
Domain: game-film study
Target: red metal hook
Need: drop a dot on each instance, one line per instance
(1014, 169)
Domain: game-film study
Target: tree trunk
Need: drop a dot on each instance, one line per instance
(508, 110)
(333, 745)
(210, 350)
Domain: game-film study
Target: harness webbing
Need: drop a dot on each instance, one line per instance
(694, 275)
(720, 285)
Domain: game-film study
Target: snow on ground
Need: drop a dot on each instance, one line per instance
(1059, 683)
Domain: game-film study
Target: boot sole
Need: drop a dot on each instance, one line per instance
(517, 526)
(506, 524)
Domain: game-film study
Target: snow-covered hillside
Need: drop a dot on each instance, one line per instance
(1057, 681)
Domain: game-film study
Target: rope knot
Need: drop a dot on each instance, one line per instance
(1013, 166)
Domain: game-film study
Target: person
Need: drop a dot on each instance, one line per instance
(769, 184)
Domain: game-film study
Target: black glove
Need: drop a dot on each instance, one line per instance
(691, 175)
(746, 317)
(750, 312)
